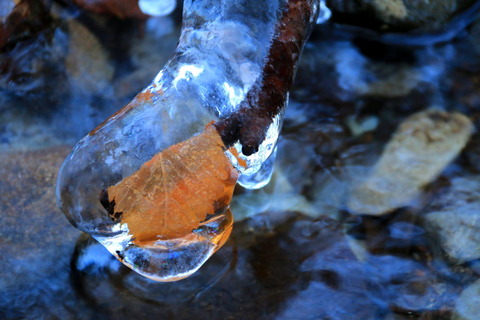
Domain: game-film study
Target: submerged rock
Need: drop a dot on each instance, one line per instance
(87, 63)
(36, 240)
(406, 285)
(468, 304)
(32, 51)
(398, 15)
(455, 220)
(419, 150)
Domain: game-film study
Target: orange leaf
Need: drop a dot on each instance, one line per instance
(177, 190)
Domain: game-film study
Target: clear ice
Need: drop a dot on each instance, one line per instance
(153, 183)
(324, 13)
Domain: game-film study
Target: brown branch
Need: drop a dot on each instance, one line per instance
(268, 96)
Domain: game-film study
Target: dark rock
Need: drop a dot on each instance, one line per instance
(397, 15)
(406, 286)
(468, 304)
(454, 220)
(32, 51)
(37, 241)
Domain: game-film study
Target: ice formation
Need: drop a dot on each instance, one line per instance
(153, 182)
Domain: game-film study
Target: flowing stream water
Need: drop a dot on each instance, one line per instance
(372, 211)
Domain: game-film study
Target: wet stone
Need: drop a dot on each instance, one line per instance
(32, 51)
(472, 152)
(419, 150)
(455, 220)
(87, 64)
(468, 303)
(37, 242)
(285, 281)
(390, 76)
(406, 286)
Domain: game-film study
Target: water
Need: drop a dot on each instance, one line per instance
(296, 249)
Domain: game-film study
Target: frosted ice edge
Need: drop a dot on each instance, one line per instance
(169, 260)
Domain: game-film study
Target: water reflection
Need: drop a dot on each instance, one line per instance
(92, 265)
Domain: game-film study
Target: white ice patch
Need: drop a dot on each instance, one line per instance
(157, 8)
(158, 78)
(234, 94)
(186, 72)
